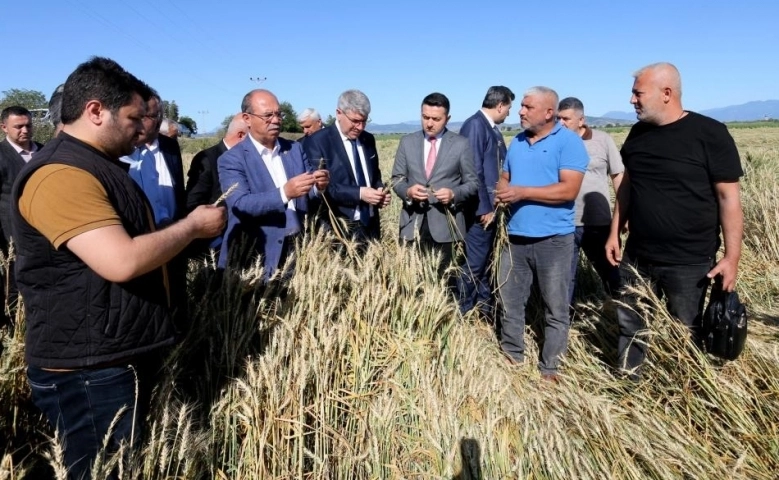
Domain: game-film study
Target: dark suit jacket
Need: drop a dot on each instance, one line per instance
(203, 177)
(171, 152)
(255, 211)
(10, 164)
(203, 189)
(343, 192)
(489, 152)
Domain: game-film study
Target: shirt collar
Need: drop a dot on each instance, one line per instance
(489, 119)
(19, 149)
(262, 149)
(437, 137)
(153, 146)
(587, 133)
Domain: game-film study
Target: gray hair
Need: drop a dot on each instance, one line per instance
(571, 103)
(164, 126)
(544, 92)
(666, 71)
(309, 113)
(354, 101)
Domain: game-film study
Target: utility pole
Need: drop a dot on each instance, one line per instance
(257, 80)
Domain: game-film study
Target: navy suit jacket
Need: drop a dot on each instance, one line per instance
(255, 211)
(343, 193)
(489, 153)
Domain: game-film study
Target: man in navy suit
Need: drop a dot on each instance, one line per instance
(274, 181)
(489, 151)
(156, 166)
(356, 190)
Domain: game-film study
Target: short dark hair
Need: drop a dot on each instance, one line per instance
(17, 110)
(436, 99)
(572, 103)
(55, 105)
(100, 79)
(497, 95)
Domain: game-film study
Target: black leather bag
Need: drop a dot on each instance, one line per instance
(724, 329)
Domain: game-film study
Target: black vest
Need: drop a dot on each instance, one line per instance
(75, 318)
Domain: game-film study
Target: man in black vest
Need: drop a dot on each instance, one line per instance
(92, 267)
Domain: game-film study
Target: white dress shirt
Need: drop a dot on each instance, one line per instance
(272, 161)
(348, 147)
(24, 153)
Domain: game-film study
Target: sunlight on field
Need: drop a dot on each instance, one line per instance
(366, 370)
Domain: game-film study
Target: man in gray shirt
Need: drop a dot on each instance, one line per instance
(593, 206)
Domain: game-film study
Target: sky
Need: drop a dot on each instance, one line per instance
(207, 55)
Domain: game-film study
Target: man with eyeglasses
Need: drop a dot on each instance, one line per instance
(356, 192)
(156, 166)
(273, 182)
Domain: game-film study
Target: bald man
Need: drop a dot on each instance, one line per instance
(203, 177)
(275, 182)
(680, 185)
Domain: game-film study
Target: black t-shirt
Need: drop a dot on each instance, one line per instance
(673, 213)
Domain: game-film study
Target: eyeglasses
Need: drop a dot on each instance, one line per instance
(357, 122)
(267, 117)
(153, 116)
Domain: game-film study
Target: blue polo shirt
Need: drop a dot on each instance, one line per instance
(539, 165)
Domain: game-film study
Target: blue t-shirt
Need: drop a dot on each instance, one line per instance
(539, 165)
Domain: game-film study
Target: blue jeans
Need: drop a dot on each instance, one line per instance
(592, 239)
(684, 287)
(548, 262)
(475, 285)
(81, 405)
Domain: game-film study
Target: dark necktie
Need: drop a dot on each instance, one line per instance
(365, 212)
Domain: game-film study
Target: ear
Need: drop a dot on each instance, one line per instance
(667, 94)
(94, 110)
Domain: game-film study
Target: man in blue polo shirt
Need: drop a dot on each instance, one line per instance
(542, 175)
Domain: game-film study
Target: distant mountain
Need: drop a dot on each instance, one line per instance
(620, 116)
(759, 110)
(747, 112)
(751, 111)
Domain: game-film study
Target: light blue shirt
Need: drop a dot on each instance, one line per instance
(150, 171)
(538, 165)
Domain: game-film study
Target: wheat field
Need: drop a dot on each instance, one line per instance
(366, 370)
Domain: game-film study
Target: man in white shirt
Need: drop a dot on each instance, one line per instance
(15, 151)
(273, 182)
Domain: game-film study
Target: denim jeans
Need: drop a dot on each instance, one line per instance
(592, 239)
(81, 405)
(548, 262)
(684, 287)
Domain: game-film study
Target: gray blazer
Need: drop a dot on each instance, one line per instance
(453, 169)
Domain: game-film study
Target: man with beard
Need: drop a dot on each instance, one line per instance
(679, 190)
(544, 169)
(92, 268)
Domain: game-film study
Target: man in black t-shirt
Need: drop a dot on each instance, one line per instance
(680, 187)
